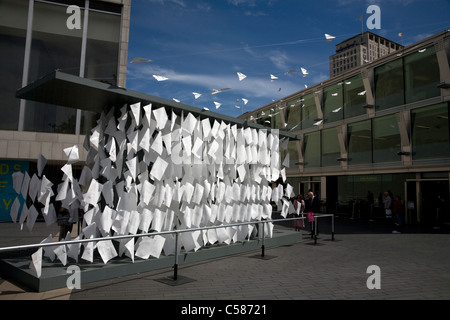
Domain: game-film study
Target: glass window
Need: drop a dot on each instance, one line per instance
(389, 91)
(422, 75)
(264, 119)
(102, 47)
(360, 142)
(386, 139)
(275, 116)
(13, 24)
(309, 111)
(311, 147)
(292, 151)
(330, 147)
(333, 102)
(102, 55)
(354, 97)
(293, 114)
(430, 132)
(54, 46)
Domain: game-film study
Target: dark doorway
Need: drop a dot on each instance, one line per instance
(435, 198)
(332, 196)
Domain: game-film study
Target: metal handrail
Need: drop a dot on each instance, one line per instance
(176, 232)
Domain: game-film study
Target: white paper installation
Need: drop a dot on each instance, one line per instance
(150, 170)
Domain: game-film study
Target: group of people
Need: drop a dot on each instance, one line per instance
(393, 208)
(311, 204)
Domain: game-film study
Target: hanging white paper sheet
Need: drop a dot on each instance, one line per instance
(73, 250)
(41, 162)
(14, 212)
(127, 246)
(150, 246)
(36, 262)
(158, 169)
(32, 216)
(72, 154)
(106, 250)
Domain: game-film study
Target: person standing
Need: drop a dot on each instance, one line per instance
(64, 222)
(312, 205)
(387, 202)
(397, 213)
(299, 206)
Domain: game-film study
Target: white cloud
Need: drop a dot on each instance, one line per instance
(280, 60)
(178, 2)
(250, 3)
(255, 14)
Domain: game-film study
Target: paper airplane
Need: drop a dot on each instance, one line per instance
(160, 78)
(217, 104)
(215, 91)
(196, 95)
(176, 100)
(317, 123)
(304, 72)
(361, 93)
(245, 100)
(241, 76)
(329, 38)
(273, 78)
(137, 60)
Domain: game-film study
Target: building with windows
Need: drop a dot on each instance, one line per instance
(36, 38)
(359, 50)
(381, 126)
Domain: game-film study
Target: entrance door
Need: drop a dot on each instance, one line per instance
(427, 202)
(435, 196)
(412, 206)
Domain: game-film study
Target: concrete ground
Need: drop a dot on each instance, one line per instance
(366, 261)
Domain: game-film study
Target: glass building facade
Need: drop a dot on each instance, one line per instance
(86, 38)
(381, 127)
(36, 38)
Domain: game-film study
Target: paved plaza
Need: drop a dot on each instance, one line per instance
(413, 265)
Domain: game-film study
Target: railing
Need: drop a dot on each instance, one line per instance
(177, 232)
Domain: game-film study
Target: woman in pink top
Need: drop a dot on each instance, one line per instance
(300, 223)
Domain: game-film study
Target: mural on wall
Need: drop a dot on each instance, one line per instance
(7, 192)
(150, 170)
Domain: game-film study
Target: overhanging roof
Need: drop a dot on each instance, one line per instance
(71, 91)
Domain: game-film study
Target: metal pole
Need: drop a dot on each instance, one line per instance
(263, 235)
(315, 230)
(332, 227)
(175, 267)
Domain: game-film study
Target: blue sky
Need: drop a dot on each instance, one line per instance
(200, 45)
